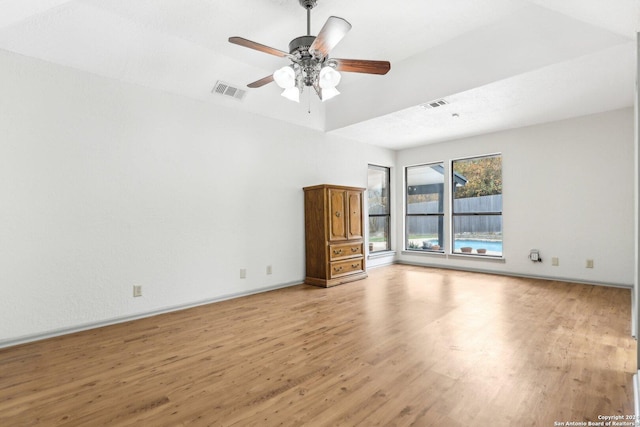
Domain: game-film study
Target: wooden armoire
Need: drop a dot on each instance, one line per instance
(334, 226)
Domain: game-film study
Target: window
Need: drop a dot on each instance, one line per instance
(379, 211)
(477, 205)
(425, 207)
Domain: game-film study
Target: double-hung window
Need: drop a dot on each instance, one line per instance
(477, 205)
(379, 209)
(473, 201)
(425, 207)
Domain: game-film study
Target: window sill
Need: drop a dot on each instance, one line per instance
(489, 258)
(381, 254)
(457, 256)
(424, 253)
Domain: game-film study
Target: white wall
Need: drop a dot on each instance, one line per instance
(568, 191)
(105, 185)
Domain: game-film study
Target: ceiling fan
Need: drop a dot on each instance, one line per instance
(310, 63)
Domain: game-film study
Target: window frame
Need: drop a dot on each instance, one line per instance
(387, 215)
(440, 215)
(454, 214)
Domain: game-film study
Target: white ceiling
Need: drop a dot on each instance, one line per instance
(499, 63)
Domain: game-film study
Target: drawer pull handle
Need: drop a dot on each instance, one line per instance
(337, 251)
(338, 214)
(354, 249)
(336, 269)
(354, 265)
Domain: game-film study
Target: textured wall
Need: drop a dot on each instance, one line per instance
(105, 185)
(567, 190)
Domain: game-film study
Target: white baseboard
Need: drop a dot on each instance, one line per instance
(514, 274)
(113, 321)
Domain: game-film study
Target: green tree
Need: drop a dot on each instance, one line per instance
(483, 175)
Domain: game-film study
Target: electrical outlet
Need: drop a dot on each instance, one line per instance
(243, 273)
(534, 255)
(589, 263)
(555, 261)
(269, 269)
(137, 290)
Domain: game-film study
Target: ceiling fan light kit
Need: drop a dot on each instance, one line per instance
(329, 93)
(311, 65)
(285, 77)
(292, 94)
(328, 78)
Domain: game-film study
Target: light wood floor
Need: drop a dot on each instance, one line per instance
(407, 346)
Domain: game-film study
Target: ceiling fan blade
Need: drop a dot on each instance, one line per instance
(362, 66)
(261, 82)
(257, 46)
(330, 35)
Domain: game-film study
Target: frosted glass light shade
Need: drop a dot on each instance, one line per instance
(285, 77)
(329, 78)
(292, 94)
(329, 93)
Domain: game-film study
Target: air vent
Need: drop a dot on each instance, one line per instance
(434, 104)
(222, 88)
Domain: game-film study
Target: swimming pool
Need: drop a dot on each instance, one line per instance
(490, 246)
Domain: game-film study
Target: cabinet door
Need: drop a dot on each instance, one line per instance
(354, 200)
(337, 215)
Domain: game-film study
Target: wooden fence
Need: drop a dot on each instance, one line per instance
(476, 224)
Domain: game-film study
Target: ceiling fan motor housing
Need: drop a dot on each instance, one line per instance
(310, 66)
(301, 46)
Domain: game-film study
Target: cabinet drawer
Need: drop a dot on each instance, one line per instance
(342, 268)
(345, 251)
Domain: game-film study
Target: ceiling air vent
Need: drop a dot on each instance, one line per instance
(222, 88)
(434, 104)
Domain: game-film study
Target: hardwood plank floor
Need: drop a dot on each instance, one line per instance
(407, 346)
